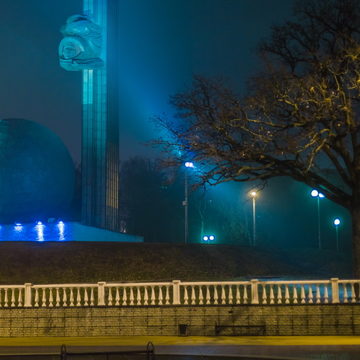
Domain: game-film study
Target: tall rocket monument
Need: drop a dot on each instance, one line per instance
(90, 45)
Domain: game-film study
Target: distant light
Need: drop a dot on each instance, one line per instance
(18, 227)
(189, 164)
(337, 222)
(39, 223)
(211, 237)
(205, 238)
(60, 223)
(40, 231)
(314, 193)
(253, 193)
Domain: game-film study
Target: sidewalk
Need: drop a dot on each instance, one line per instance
(289, 347)
(184, 341)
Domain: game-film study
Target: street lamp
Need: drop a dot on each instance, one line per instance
(336, 224)
(316, 194)
(253, 194)
(188, 164)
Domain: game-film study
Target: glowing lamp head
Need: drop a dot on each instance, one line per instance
(337, 222)
(321, 196)
(39, 223)
(253, 194)
(211, 237)
(314, 193)
(189, 164)
(205, 238)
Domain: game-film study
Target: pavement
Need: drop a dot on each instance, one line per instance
(250, 347)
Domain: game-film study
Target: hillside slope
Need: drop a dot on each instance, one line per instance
(72, 262)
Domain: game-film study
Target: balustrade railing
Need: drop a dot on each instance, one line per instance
(253, 292)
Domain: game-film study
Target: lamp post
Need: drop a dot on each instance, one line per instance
(188, 164)
(336, 224)
(253, 194)
(316, 194)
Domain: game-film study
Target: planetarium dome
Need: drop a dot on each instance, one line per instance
(37, 174)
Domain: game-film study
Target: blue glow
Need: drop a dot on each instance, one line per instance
(39, 228)
(337, 222)
(61, 227)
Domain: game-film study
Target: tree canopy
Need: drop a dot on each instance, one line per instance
(300, 115)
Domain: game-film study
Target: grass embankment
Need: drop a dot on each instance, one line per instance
(74, 262)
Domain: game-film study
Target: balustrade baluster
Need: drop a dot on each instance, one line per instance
(216, 298)
(51, 298)
(310, 294)
(117, 297)
(86, 297)
(279, 297)
(230, 298)
(146, 296)
(125, 300)
(92, 297)
(295, 294)
(43, 298)
(71, 297)
(353, 295)
(64, 297)
(345, 293)
(36, 298)
(207, 294)
(1, 294)
(78, 296)
(223, 294)
(272, 297)
(12, 297)
(193, 295)
(57, 295)
(20, 298)
(153, 298)
(326, 294)
(167, 297)
(237, 296)
(160, 298)
(201, 295)
(131, 296)
(186, 297)
(302, 295)
(245, 295)
(264, 295)
(287, 294)
(110, 298)
(318, 295)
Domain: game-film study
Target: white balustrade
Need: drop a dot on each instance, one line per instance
(253, 292)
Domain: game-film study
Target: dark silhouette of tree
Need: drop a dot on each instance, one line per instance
(149, 203)
(300, 117)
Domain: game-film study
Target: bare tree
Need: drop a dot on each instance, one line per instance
(300, 117)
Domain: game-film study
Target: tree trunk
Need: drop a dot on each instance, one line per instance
(355, 217)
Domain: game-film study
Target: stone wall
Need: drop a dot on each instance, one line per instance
(271, 320)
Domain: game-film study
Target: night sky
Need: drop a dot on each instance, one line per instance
(162, 44)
